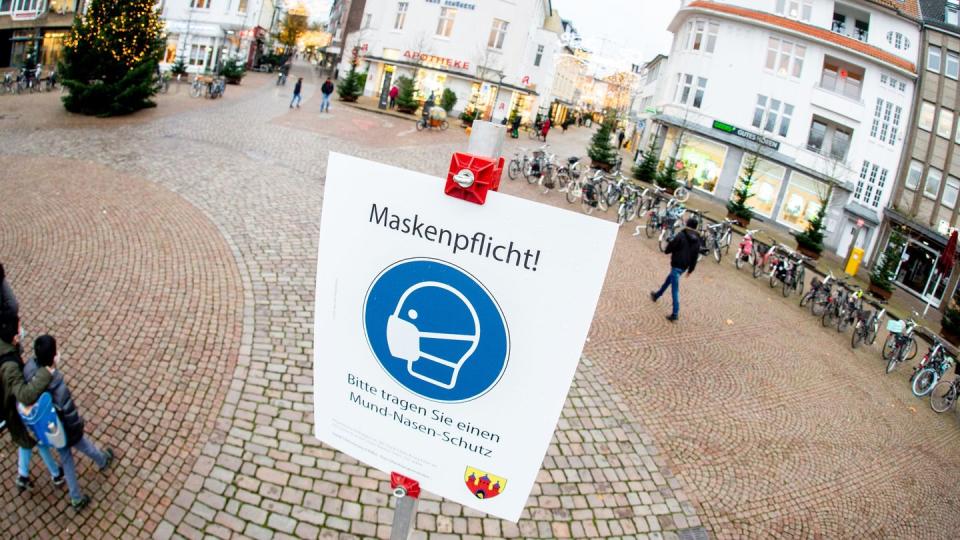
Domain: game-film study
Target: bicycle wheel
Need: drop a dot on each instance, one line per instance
(817, 306)
(943, 396)
(800, 279)
(843, 321)
(872, 327)
(421, 125)
(787, 287)
(911, 349)
(827, 318)
(892, 363)
(727, 240)
(444, 125)
(632, 213)
(586, 206)
(857, 336)
(665, 237)
(533, 177)
(773, 280)
(651, 226)
(924, 382)
(757, 266)
(513, 170)
(805, 299)
(574, 192)
(889, 347)
(738, 260)
(621, 214)
(681, 194)
(562, 178)
(195, 91)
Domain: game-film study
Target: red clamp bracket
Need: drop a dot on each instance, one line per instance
(403, 486)
(471, 177)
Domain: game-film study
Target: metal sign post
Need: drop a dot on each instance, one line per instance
(407, 492)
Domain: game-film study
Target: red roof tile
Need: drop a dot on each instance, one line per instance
(910, 8)
(813, 31)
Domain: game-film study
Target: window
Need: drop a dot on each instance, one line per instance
(686, 94)
(953, 65)
(801, 201)
(933, 58)
(785, 57)
(242, 6)
(829, 139)
(401, 18)
(841, 78)
(840, 144)
(927, 112)
(497, 34)
(27, 5)
(769, 112)
(945, 123)
(870, 186)
(893, 82)
(767, 179)
(950, 13)
(817, 136)
(198, 55)
(445, 24)
(367, 20)
(170, 54)
(200, 4)
(898, 40)
(932, 187)
(5, 6)
(914, 174)
(702, 36)
(539, 56)
(950, 192)
(886, 121)
(795, 9)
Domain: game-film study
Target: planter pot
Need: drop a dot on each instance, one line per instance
(742, 221)
(349, 99)
(406, 110)
(880, 292)
(808, 252)
(605, 167)
(953, 338)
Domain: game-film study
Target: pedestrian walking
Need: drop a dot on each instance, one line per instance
(394, 92)
(15, 389)
(326, 91)
(620, 137)
(296, 93)
(544, 129)
(515, 127)
(45, 349)
(684, 250)
(8, 302)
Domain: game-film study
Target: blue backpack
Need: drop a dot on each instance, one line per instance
(42, 420)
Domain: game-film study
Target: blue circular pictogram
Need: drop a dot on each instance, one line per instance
(436, 330)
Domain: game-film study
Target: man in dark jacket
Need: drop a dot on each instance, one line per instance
(684, 250)
(13, 389)
(45, 348)
(8, 302)
(325, 92)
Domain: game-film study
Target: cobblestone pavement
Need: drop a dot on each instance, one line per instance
(746, 417)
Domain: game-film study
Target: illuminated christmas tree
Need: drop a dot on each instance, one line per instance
(110, 58)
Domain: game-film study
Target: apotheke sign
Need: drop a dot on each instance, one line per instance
(744, 134)
(438, 61)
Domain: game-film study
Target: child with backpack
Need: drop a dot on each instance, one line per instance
(45, 348)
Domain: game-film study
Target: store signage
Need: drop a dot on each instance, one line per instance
(434, 60)
(453, 4)
(744, 134)
(431, 356)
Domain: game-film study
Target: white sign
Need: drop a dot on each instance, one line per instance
(448, 333)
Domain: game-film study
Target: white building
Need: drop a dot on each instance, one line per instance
(821, 89)
(494, 55)
(206, 32)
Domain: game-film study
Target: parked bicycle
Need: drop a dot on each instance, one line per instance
(901, 344)
(518, 163)
(868, 325)
(944, 395)
(931, 369)
(630, 201)
(850, 310)
(818, 294)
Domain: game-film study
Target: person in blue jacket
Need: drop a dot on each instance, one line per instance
(45, 348)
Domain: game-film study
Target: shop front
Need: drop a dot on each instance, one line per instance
(917, 272)
(767, 181)
(801, 201)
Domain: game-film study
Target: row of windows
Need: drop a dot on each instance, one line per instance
(205, 4)
(931, 187)
(870, 185)
(944, 120)
(498, 30)
(935, 62)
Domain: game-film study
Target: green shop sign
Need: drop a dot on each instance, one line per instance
(744, 134)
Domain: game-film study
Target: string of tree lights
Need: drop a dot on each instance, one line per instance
(110, 58)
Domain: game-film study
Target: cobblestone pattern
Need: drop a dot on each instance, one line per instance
(260, 473)
(144, 299)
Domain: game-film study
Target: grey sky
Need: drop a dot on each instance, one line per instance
(630, 27)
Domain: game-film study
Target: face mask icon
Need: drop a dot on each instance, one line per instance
(433, 357)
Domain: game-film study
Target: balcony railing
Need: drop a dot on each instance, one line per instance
(845, 86)
(854, 32)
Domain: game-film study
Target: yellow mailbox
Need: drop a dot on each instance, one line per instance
(856, 257)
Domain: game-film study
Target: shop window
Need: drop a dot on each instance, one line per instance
(801, 201)
(950, 192)
(498, 32)
(886, 121)
(767, 179)
(785, 57)
(873, 179)
(772, 115)
(60, 6)
(539, 56)
(199, 54)
(445, 23)
(913, 175)
(27, 5)
(795, 9)
(242, 6)
(170, 53)
(953, 65)
(934, 57)
(932, 187)
(200, 4)
(925, 119)
(945, 123)
(841, 77)
(702, 35)
(401, 17)
(699, 160)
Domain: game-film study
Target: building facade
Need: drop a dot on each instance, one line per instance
(924, 204)
(496, 56)
(644, 105)
(35, 27)
(820, 90)
(204, 33)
